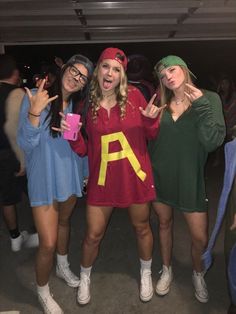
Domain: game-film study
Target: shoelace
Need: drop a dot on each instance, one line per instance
(84, 281)
(145, 280)
(202, 281)
(46, 302)
(68, 273)
(163, 273)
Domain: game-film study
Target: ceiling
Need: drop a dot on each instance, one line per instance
(74, 21)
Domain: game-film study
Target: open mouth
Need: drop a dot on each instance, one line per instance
(107, 83)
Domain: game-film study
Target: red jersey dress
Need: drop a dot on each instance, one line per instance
(120, 172)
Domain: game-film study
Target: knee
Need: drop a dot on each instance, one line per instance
(64, 222)
(165, 224)
(47, 248)
(200, 241)
(93, 238)
(142, 230)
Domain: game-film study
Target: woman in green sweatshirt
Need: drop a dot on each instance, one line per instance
(192, 125)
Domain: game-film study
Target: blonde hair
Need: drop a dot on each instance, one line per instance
(95, 95)
(167, 94)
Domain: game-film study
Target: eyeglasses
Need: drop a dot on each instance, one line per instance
(75, 72)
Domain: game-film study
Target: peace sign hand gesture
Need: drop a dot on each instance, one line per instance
(193, 92)
(40, 99)
(151, 111)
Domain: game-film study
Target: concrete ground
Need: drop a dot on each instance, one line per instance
(115, 277)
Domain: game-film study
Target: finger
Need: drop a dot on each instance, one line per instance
(153, 111)
(62, 115)
(41, 85)
(28, 92)
(52, 98)
(193, 88)
(188, 95)
(20, 173)
(65, 125)
(143, 112)
(57, 129)
(151, 100)
(162, 107)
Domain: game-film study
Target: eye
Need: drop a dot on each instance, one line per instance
(117, 70)
(105, 65)
(162, 76)
(73, 71)
(84, 79)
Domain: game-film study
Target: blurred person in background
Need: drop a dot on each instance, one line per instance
(12, 167)
(139, 74)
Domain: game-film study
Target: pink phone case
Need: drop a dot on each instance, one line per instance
(73, 120)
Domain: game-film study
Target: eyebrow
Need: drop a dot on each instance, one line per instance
(79, 71)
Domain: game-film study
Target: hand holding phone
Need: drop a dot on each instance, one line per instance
(73, 120)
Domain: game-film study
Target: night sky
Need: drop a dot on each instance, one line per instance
(204, 58)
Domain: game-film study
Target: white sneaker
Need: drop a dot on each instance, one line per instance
(17, 243)
(49, 305)
(32, 241)
(200, 287)
(163, 284)
(146, 287)
(83, 295)
(25, 239)
(64, 272)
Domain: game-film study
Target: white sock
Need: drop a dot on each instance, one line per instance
(62, 260)
(43, 291)
(145, 264)
(86, 270)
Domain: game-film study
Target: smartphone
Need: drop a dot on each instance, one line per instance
(73, 120)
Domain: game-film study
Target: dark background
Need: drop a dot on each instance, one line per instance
(206, 59)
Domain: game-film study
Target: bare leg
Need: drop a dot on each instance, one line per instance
(97, 220)
(64, 212)
(165, 217)
(139, 216)
(46, 222)
(198, 225)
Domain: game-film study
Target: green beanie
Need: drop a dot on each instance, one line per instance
(168, 62)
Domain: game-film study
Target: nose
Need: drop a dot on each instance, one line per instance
(76, 78)
(168, 75)
(109, 71)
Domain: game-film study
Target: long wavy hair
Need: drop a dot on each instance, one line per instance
(95, 93)
(53, 117)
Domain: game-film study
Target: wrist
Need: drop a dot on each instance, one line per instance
(34, 114)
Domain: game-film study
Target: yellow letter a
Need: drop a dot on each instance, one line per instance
(126, 152)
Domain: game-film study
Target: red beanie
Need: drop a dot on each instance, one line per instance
(114, 54)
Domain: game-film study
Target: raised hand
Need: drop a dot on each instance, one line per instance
(39, 100)
(151, 111)
(193, 92)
